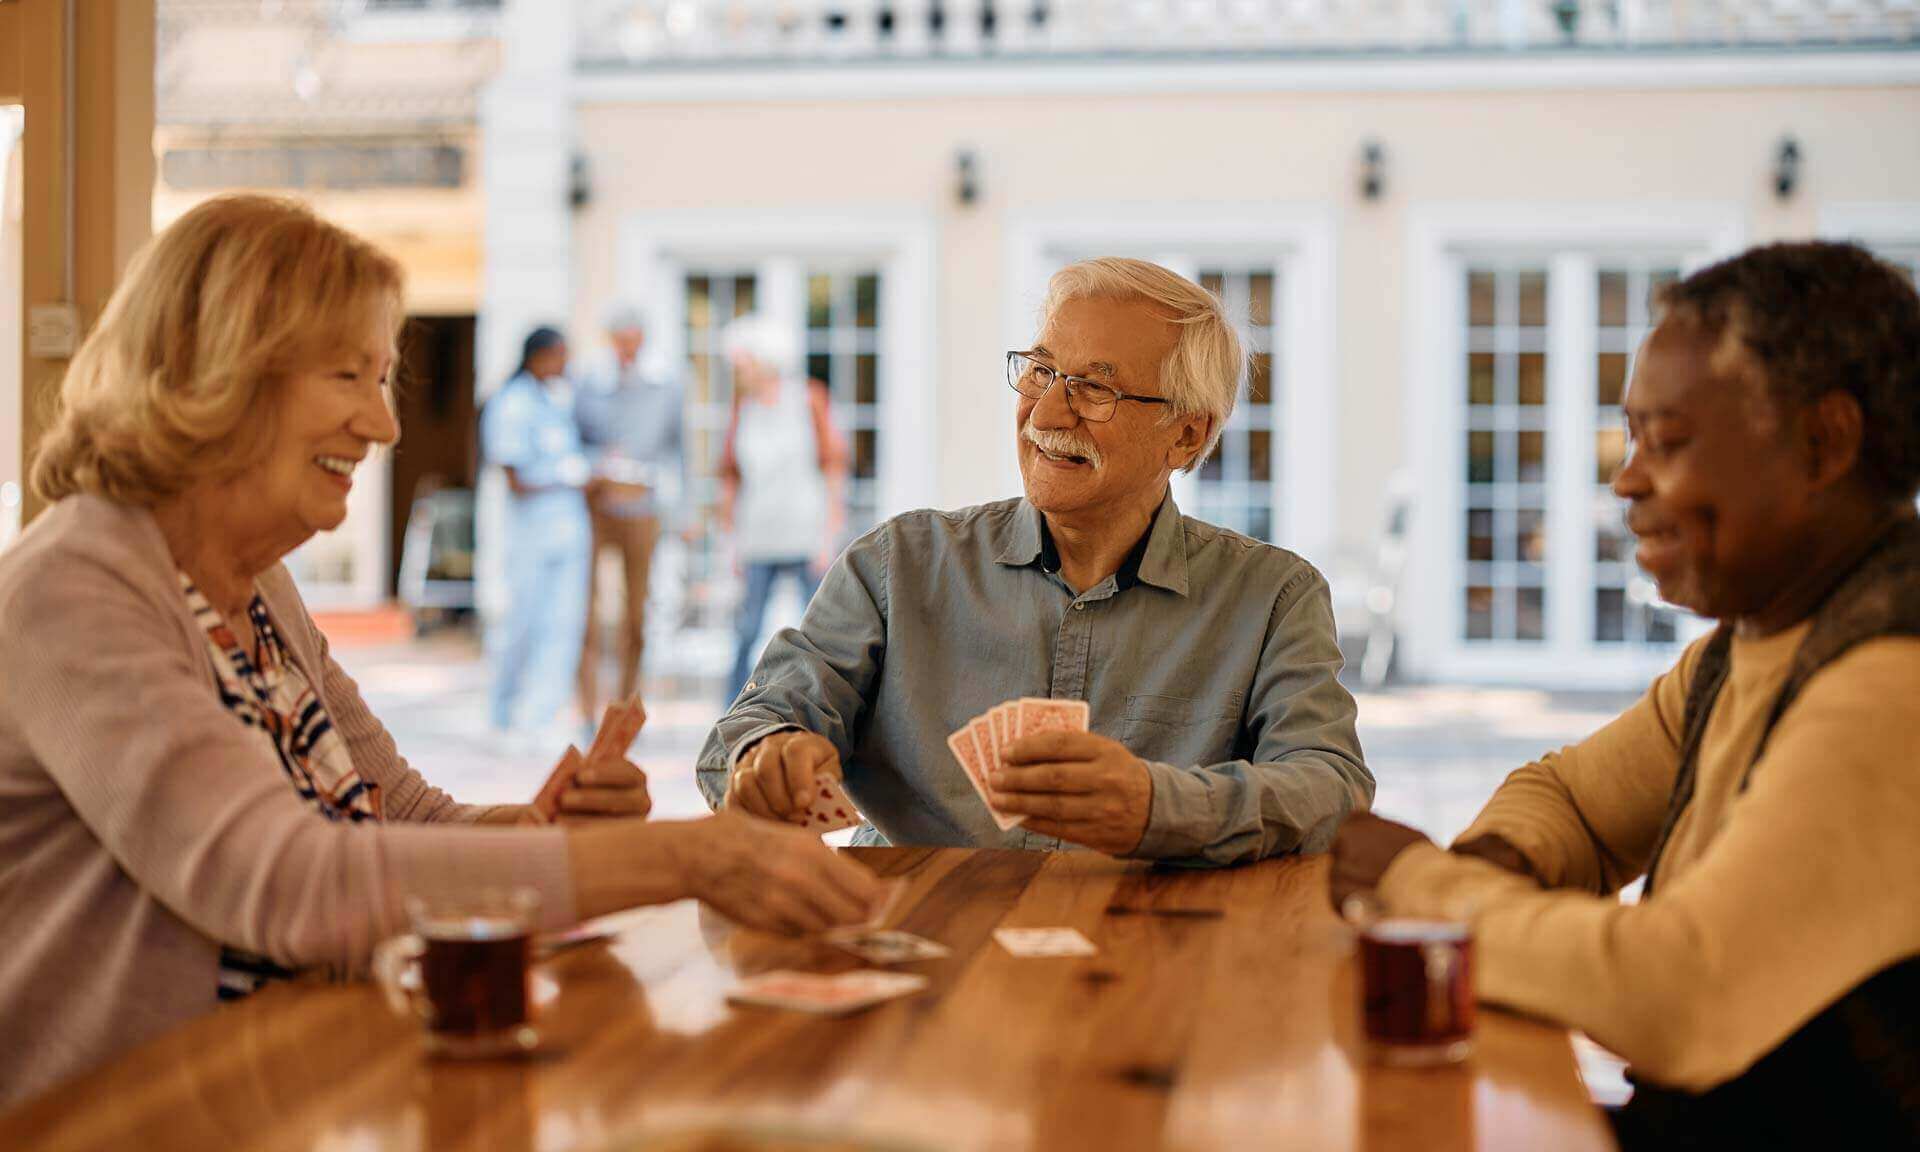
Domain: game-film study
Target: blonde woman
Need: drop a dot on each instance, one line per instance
(197, 799)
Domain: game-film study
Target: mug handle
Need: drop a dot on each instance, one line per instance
(396, 967)
(1442, 961)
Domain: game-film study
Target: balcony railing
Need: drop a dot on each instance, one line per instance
(616, 32)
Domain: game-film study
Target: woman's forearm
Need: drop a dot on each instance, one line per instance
(619, 864)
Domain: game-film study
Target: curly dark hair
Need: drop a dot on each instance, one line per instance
(1821, 317)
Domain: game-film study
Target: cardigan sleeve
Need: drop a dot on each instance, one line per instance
(114, 704)
(406, 795)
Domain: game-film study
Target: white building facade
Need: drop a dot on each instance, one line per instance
(1440, 222)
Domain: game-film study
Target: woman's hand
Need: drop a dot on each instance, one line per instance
(757, 873)
(777, 878)
(609, 792)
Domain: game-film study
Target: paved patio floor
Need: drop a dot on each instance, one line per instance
(1437, 751)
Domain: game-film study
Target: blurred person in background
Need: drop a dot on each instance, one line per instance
(783, 476)
(198, 800)
(1766, 988)
(632, 426)
(528, 431)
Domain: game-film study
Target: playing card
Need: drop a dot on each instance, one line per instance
(830, 810)
(1040, 715)
(546, 803)
(1005, 718)
(1033, 942)
(621, 722)
(827, 995)
(891, 946)
(973, 762)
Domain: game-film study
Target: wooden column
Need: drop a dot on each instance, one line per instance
(84, 73)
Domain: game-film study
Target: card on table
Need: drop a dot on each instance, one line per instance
(831, 810)
(1041, 942)
(890, 946)
(826, 995)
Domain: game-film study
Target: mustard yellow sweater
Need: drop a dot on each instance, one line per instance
(1772, 903)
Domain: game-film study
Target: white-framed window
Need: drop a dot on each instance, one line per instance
(1236, 486)
(1272, 476)
(1524, 325)
(843, 327)
(858, 292)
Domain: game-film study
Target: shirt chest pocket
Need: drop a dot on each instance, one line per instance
(1181, 730)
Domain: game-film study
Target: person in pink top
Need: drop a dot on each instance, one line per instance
(195, 797)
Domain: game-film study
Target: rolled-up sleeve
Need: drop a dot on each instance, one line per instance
(819, 676)
(1306, 772)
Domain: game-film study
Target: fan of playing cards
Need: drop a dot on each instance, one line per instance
(622, 722)
(981, 745)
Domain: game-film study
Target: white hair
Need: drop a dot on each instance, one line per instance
(1202, 375)
(624, 316)
(765, 339)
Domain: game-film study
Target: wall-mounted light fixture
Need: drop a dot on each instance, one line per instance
(966, 177)
(579, 181)
(1786, 168)
(1373, 170)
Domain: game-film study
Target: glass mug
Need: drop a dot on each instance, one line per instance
(1417, 991)
(466, 972)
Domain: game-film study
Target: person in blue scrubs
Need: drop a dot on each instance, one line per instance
(528, 431)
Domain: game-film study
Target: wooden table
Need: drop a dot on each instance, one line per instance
(1220, 1013)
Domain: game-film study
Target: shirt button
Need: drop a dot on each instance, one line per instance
(1079, 607)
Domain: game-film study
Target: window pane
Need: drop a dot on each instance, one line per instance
(1613, 299)
(1480, 300)
(1530, 535)
(1530, 614)
(1609, 615)
(866, 301)
(1612, 381)
(743, 296)
(1479, 613)
(1480, 534)
(1480, 457)
(866, 457)
(1480, 378)
(699, 302)
(820, 367)
(866, 379)
(1260, 378)
(819, 302)
(1609, 452)
(1260, 299)
(1533, 299)
(1533, 379)
(1533, 457)
(1259, 455)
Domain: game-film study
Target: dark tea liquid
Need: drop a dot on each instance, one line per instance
(474, 972)
(1417, 981)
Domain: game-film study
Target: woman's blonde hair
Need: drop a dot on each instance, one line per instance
(1202, 373)
(180, 380)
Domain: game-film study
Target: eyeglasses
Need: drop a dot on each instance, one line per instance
(1090, 400)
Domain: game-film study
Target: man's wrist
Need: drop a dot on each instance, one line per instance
(1500, 852)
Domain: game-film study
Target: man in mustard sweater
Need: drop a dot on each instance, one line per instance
(1766, 991)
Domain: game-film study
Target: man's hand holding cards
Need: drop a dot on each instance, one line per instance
(1062, 780)
(603, 783)
(793, 777)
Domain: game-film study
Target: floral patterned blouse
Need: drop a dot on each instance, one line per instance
(266, 690)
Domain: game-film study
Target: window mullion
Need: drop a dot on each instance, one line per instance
(1571, 336)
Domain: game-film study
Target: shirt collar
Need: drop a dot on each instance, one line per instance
(1159, 559)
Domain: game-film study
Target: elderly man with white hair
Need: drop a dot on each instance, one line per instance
(1219, 731)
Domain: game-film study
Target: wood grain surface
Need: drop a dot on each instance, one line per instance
(1221, 1012)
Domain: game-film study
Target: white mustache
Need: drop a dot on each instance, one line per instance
(1063, 444)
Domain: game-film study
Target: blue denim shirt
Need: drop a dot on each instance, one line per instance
(1215, 662)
